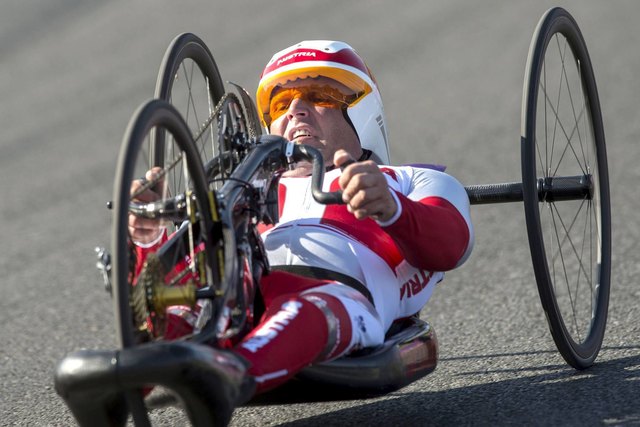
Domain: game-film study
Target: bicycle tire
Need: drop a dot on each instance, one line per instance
(131, 162)
(188, 58)
(574, 295)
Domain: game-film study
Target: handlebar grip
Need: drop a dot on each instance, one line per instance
(333, 197)
(328, 198)
(347, 163)
(305, 152)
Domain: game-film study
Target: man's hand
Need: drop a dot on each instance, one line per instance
(365, 189)
(142, 230)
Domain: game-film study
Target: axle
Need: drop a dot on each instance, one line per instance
(550, 189)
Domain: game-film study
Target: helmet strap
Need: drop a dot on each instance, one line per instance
(348, 119)
(366, 154)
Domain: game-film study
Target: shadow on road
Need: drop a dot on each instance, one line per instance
(606, 394)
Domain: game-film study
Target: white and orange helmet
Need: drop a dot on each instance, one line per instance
(338, 61)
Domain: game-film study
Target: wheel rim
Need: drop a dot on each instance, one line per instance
(182, 175)
(189, 79)
(570, 240)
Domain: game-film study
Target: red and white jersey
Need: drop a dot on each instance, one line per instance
(399, 261)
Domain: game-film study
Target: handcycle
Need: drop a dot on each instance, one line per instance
(217, 185)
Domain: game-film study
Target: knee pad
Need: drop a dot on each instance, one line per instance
(360, 324)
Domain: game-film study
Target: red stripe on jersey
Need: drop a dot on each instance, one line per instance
(390, 172)
(366, 231)
(282, 196)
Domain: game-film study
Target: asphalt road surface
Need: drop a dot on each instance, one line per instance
(451, 72)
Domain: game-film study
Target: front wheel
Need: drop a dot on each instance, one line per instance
(184, 252)
(563, 135)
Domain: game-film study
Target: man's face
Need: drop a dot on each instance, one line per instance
(308, 120)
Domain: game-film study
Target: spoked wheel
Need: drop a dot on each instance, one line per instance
(189, 79)
(144, 290)
(178, 213)
(563, 136)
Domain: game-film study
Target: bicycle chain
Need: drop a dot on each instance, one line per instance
(141, 294)
(251, 125)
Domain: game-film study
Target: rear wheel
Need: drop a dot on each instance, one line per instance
(189, 79)
(563, 135)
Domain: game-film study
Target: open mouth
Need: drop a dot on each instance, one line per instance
(300, 134)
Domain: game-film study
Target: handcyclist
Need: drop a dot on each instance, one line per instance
(342, 274)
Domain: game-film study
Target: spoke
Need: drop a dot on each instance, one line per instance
(540, 162)
(187, 82)
(587, 278)
(191, 215)
(169, 145)
(557, 107)
(591, 253)
(554, 256)
(190, 101)
(562, 52)
(543, 164)
(570, 145)
(573, 221)
(564, 267)
(568, 137)
(177, 177)
(557, 121)
(211, 110)
(547, 167)
(584, 133)
(564, 72)
(159, 176)
(570, 240)
(586, 122)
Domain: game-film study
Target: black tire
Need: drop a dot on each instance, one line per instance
(563, 135)
(133, 162)
(189, 79)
